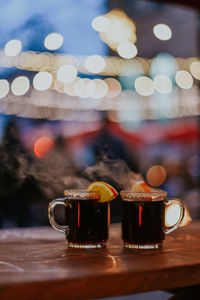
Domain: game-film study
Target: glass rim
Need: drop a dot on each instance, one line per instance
(81, 194)
(155, 195)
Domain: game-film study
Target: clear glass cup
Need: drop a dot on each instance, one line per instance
(86, 219)
(143, 218)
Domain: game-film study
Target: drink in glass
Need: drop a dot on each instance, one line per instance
(86, 219)
(143, 218)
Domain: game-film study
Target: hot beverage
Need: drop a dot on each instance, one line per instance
(139, 227)
(143, 218)
(87, 219)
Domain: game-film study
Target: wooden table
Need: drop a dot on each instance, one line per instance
(36, 264)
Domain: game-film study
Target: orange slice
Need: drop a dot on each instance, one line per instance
(141, 186)
(105, 190)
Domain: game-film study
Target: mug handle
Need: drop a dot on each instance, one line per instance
(62, 228)
(182, 212)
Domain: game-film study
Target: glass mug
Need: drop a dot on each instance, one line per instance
(87, 220)
(143, 218)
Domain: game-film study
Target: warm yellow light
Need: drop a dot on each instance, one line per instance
(121, 29)
(162, 84)
(95, 63)
(101, 89)
(84, 87)
(42, 81)
(186, 219)
(67, 73)
(42, 61)
(69, 87)
(100, 23)
(144, 86)
(162, 32)
(26, 59)
(195, 69)
(127, 50)
(79, 88)
(184, 79)
(156, 175)
(53, 41)
(58, 86)
(114, 87)
(133, 67)
(91, 88)
(172, 214)
(20, 85)
(4, 88)
(13, 47)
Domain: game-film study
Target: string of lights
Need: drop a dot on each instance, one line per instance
(123, 79)
(94, 64)
(51, 105)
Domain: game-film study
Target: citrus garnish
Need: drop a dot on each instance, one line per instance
(141, 186)
(105, 190)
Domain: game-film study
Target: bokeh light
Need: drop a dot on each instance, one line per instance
(101, 89)
(58, 86)
(53, 41)
(91, 87)
(42, 146)
(4, 88)
(95, 63)
(121, 29)
(13, 47)
(100, 23)
(80, 87)
(42, 81)
(114, 87)
(144, 86)
(26, 59)
(162, 32)
(67, 73)
(187, 218)
(165, 64)
(127, 50)
(20, 85)
(132, 68)
(69, 87)
(156, 175)
(85, 88)
(162, 84)
(195, 69)
(184, 79)
(172, 214)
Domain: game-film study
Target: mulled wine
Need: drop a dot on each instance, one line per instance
(87, 220)
(143, 218)
(143, 222)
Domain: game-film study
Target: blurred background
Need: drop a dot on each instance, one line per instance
(97, 90)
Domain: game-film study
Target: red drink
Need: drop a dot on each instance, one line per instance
(87, 219)
(143, 219)
(143, 222)
(88, 222)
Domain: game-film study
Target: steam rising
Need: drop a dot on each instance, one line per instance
(24, 179)
(115, 172)
(56, 171)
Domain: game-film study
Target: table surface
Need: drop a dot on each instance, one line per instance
(36, 264)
